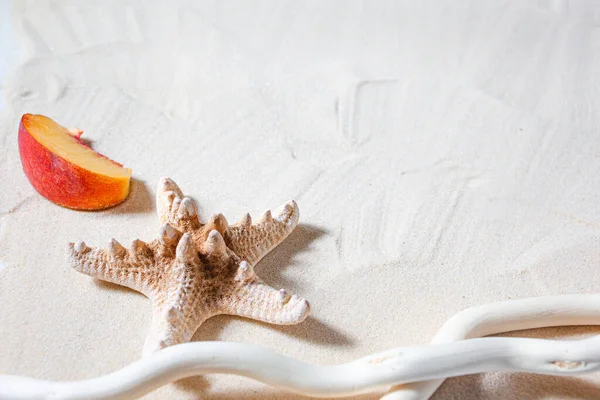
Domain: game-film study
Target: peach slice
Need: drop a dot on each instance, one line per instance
(63, 169)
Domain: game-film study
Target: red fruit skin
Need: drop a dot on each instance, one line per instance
(65, 183)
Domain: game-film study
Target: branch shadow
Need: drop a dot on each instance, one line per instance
(522, 385)
(556, 332)
(194, 384)
(282, 395)
(139, 201)
(517, 386)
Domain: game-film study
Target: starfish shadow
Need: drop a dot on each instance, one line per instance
(270, 270)
(280, 258)
(311, 330)
(114, 287)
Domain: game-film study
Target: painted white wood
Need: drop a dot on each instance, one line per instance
(513, 315)
(449, 355)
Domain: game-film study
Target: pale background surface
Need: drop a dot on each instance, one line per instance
(443, 154)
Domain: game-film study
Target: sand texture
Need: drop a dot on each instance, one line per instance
(443, 154)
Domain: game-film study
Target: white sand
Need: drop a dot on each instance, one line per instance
(443, 155)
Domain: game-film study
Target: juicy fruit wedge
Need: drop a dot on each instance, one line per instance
(63, 169)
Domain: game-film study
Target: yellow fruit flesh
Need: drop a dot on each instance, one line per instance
(59, 141)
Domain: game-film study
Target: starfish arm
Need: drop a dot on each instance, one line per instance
(173, 208)
(257, 300)
(251, 242)
(170, 326)
(130, 268)
(182, 307)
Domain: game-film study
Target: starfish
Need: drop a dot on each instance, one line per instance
(194, 271)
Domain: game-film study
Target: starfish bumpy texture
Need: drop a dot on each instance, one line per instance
(194, 271)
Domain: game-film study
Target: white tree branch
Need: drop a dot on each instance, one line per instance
(450, 356)
(506, 316)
